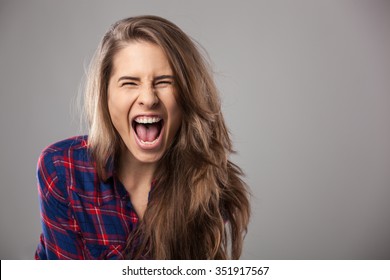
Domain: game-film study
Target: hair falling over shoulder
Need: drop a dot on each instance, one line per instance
(199, 207)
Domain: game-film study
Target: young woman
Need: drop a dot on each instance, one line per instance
(153, 179)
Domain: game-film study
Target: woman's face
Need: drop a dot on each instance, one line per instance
(142, 101)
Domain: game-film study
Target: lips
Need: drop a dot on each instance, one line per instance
(147, 130)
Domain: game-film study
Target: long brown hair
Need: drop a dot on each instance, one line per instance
(199, 207)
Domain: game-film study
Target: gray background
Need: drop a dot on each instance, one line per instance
(306, 94)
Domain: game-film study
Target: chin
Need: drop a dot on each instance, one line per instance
(148, 159)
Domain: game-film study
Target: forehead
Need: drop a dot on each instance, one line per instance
(141, 58)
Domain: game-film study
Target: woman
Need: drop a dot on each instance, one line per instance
(152, 180)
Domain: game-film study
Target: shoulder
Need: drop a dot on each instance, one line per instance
(69, 144)
(62, 163)
(74, 148)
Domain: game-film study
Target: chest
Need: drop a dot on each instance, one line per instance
(104, 227)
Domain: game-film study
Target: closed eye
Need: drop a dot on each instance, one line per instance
(129, 84)
(163, 83)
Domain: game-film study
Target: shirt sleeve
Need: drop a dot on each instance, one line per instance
(60, 238)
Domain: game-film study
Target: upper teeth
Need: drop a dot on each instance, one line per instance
(147, 119)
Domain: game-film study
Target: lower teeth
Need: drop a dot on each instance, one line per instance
(148, 143)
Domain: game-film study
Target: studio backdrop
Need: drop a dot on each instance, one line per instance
(305, 89)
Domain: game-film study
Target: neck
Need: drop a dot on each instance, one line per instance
(134, 174)
(137, 179)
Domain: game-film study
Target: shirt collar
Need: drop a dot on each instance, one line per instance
(120, 189)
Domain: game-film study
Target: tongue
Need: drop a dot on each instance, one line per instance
(147, 133)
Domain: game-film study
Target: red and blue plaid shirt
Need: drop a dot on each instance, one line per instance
(82, 216)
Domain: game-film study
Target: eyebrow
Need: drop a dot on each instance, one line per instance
(139, 79)
(129, 78)
(162, 77)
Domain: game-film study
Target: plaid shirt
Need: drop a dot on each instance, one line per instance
(82, 217)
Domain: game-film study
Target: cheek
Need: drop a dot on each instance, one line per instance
(118, 113)
(112, 110)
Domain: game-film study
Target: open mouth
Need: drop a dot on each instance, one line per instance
(148, 128)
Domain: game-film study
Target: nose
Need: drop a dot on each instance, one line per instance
(148, 97)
